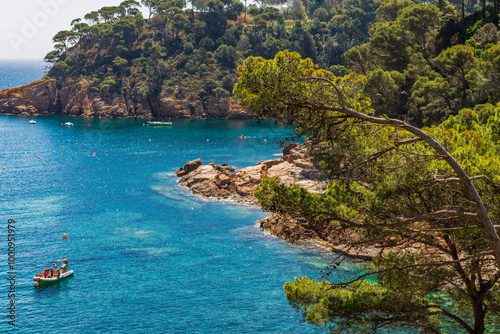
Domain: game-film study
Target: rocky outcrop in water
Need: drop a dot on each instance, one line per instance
(38, 97)
(295, 167)
(222, 181)
(79, 98)
(206, 180)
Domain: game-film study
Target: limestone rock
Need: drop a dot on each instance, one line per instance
(78, 97)
(269, 163)
(246, 180)
(169, 107)
(243, 182)
(221, 181)
(205, 181)
(192, 165)
(288, 148)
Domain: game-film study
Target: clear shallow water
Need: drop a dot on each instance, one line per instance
(20, 72)
(148, 255)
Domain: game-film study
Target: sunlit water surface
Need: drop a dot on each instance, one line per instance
(148, 256)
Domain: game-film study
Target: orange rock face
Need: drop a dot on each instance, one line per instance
(38, 97)
(78, 98)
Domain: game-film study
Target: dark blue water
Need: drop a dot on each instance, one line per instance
(20, 72)
(148, 255)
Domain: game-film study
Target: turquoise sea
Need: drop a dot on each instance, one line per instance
(20, 72)
(148, 256)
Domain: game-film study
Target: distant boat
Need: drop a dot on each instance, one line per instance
(68, 124)
(46, 280)
(32, 121)
(151, 123)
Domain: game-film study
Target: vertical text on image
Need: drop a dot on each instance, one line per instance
(11, 272)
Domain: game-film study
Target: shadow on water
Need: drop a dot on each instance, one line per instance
(52, 288)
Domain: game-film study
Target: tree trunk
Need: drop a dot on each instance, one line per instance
(479, 315)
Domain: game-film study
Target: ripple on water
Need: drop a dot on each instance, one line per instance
(148, 255)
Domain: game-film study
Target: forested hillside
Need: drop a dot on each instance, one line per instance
(425, 201)
(423, 62)
(192, 54)
(376, 74)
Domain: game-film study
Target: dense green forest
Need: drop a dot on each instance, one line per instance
(422, 61)
(194, 53)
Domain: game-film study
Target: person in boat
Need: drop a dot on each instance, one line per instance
(53, 269)
(45, 273)
(65, 264)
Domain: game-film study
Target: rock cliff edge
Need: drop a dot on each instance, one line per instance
(79, 98)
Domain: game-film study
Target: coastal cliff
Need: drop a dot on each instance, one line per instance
(79, 98)
(38, 97)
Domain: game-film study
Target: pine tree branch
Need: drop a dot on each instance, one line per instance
(450, 214)
(445, 179)
(482, 213)
(376, 155)
(416, 265)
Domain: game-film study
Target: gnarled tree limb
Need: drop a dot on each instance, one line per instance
(465, 180)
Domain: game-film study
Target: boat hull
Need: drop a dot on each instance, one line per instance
(46, 280)
(159, 123)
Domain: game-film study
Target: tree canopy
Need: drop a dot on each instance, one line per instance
(425, 200)
(182, 48)
(191, 52)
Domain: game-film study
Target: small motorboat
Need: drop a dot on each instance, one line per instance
(68, 124)
(151, 123)
(32, 121)
(47, 280)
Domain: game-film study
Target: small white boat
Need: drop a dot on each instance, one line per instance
(32, 121)
(68, 124)
(45, 280)
(151, 123)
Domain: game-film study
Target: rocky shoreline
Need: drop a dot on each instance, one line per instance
(225, 182)
(80, 99)
(295, 167)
